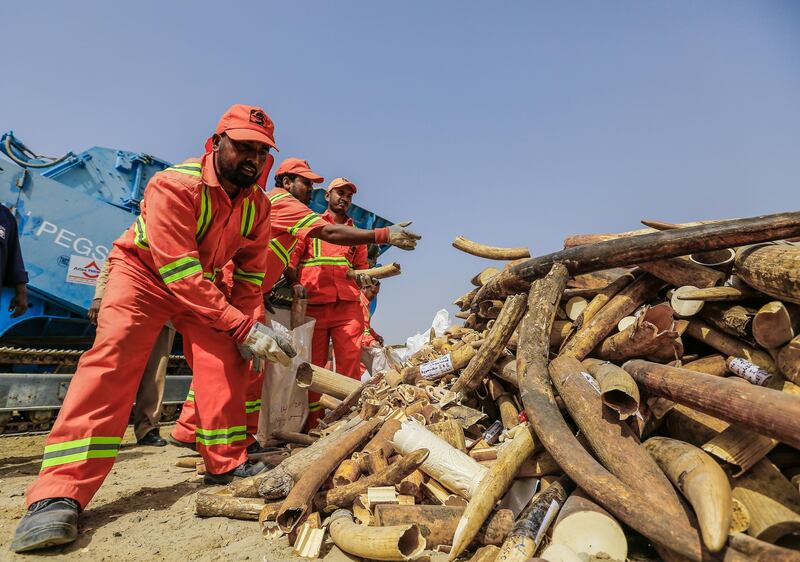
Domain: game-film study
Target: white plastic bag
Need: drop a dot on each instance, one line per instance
(284, 406)
(378, 360)
(441, 321)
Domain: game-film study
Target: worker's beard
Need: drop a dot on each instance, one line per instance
(236, 175)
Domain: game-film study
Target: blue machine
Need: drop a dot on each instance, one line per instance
(69, 212)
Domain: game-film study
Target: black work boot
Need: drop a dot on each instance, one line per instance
(152, 439)
(178, 443)
(247, 468)
(48, 522)
(255, 448)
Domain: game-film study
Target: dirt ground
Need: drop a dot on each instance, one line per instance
(143, 511)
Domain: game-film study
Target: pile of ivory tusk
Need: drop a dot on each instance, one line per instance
(632, 396)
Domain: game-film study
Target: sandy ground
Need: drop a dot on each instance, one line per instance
(144, 511)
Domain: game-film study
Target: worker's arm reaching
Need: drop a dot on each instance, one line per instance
(396, 235)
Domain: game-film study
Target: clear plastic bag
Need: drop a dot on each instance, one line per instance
(284, 406)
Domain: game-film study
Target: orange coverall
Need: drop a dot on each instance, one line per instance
(166, 267)
(333, 300)
(289, 219)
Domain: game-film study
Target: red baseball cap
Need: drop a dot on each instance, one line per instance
(341, 182)
(246, 123)
(298, 167)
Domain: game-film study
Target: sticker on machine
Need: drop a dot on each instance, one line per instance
(83, 270)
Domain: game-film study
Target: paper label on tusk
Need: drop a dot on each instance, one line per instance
(552, 511)
(590, 379)
(748, 371)
(437, 367)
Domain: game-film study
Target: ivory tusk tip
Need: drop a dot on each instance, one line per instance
(458, 539)
(714, 539)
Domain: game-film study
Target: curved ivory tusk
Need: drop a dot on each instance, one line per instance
(398, 542)
(382, 272)
(490, 252)
(703, 483)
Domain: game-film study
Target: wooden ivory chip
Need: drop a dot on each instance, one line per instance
(682, 307)
(625, 322)
(575, 306)
(381, 494)
(309, 541)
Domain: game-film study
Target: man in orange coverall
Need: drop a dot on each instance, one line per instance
(195, 217)
(370, 339)
(290, 219)
(333, 296)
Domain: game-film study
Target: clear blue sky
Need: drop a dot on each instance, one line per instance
(513, 123)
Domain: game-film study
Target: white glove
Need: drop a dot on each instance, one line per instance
(403, 238)
(266, 344)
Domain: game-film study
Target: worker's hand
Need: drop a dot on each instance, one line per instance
(267, 344)
(94, 311)
(380, 339)
(268, 304)
(299, 291)
(19, 302)
(363, 280)
(401, 237)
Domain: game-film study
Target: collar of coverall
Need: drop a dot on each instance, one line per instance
(331, 218)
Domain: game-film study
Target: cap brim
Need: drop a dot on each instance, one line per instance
(352, 187)
(309, 175)
(245, 135)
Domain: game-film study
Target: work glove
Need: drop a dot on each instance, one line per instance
(265, 344)
(403, 238)
(363, 280)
